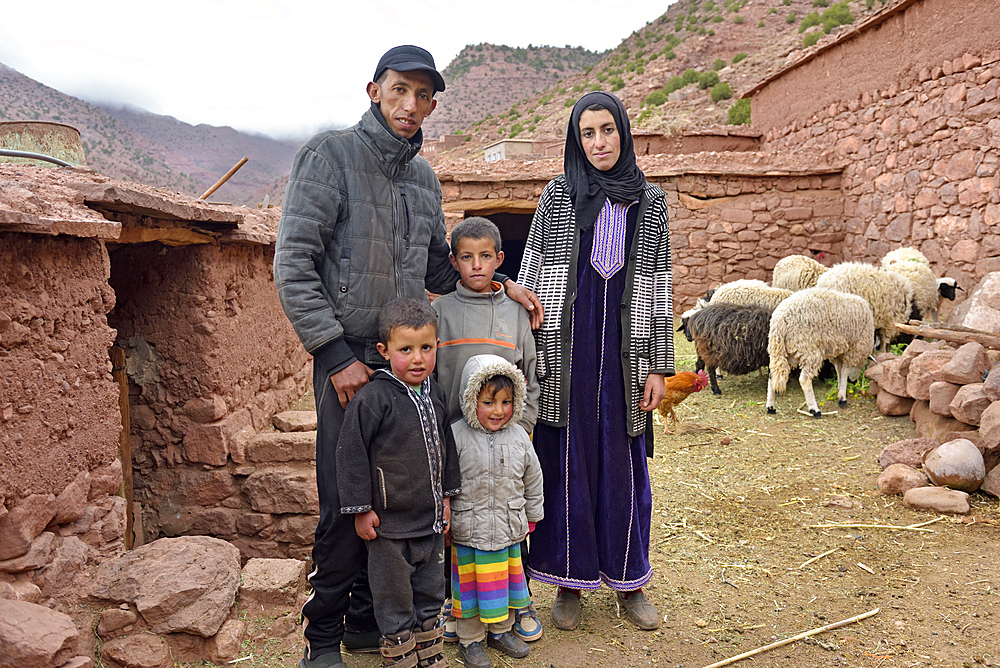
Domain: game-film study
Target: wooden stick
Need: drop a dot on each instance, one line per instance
(786, 641)
(816, 558)
(986, 339)
(870, 526)
(225, 177)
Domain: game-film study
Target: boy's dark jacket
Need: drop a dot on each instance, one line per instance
(383, 463)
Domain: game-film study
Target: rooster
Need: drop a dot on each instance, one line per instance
(677, 388)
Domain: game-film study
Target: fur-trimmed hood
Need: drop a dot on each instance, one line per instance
(477, 371)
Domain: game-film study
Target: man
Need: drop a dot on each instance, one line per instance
(361, 225)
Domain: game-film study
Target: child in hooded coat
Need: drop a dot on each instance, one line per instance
(500, 502)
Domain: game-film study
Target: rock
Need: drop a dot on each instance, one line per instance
(839, 502)
(909, 451)
(989, 427)
(106, 480)
(24, 522)
(891, 404)
(115, 621)
(892, 379)
(139, 651)
(991, 386)
(68, 561)
(283, 490)
(36, 557)
(941, 394)
(272, 582)
(968, 365)
(205, 409)
(78, 662)
(224, 646)
(33, 636)
(73, 499)
(931, 425)
(991, 483)
(937, 499)
(924, 370)
(969, 403)
(283, 626)
(981, 309)
(276, 446)
(295, 421)
(897, 478)
(956, 464)
(185, 584)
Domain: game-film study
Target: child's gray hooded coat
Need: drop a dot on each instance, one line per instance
(501, 477)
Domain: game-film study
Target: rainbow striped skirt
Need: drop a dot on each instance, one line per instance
(487, 584)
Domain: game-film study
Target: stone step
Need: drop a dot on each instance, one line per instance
(291, 421)
(279, 447)
(283, 490)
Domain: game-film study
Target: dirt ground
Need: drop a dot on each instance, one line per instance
(732, 527)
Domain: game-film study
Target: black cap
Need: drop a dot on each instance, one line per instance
(407, 58)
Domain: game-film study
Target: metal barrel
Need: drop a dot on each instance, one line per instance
(53, 139)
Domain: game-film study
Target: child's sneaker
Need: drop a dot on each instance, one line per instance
(526, 624)
(450, 625)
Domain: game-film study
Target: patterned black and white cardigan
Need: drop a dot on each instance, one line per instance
(549, 267)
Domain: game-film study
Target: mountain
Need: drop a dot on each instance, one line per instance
(484, 80)
(668, 71)
(135, 145)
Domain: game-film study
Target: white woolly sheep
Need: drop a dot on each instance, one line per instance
(889, 294)
(928, 289)
(749, 292)
(813, 325)
(796, 272)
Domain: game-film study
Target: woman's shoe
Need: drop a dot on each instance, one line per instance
(639, 610)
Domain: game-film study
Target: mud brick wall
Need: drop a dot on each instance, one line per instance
(59, 415)
(211, 359)
(725, 227)
(922, 141)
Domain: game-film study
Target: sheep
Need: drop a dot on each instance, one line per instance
(796, 272)
(749, 292)
(813, 325)
(889, 294)
(729, 337)
(927, 288)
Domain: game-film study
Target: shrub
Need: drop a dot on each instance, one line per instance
(654, 99)
(811, 19)
(617, 83)
(838, 15)
(718, 64)
(739, 113)
(761, 24)
(738, 57)
(675, 83)
(791, 18)
(821, 3)
(738, 19)
(717, 19)
(772, 10)
(721, 91)
(515, 130)
(707, 79)
(669, 54)
(811, 39)
(569, 102)
(689, 77)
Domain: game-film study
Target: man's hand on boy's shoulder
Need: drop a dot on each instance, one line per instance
(365, 523)
(349, 380)
(528, 299)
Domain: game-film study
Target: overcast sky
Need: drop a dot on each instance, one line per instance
(281, 68)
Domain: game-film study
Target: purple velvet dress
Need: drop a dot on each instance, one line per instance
(597, 494)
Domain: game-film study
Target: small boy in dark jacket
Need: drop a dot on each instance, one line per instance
(397, 468)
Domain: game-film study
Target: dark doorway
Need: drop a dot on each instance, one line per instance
(514, 232)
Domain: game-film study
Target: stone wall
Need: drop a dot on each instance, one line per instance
(59, 415)
(923, 145)
(211, 359)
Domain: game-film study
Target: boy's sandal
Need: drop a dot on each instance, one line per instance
(450, 624)
(430, 647)
(527, 626)
(398, 656)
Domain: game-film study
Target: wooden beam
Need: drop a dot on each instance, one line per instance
(986, 339)
(124, 444)
(486, 206)
(170, 236)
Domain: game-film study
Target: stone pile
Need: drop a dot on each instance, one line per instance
(172, 600)
(952, 394)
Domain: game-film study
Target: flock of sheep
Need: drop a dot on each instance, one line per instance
(810, 314)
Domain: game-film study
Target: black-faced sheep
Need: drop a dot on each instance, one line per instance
(889, 294)
(927, 288)
(728, 337)
(813, 325)
(749, 292)
(796, 272)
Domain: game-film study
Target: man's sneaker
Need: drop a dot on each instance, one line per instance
(509, 644)
(526, 624)
(450, 624)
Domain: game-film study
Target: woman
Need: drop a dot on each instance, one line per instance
(598, 256)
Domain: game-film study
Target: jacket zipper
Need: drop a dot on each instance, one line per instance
(493, 500)
(406, 218)
(395, 243)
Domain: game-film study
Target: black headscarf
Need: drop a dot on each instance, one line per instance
(589, 186)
